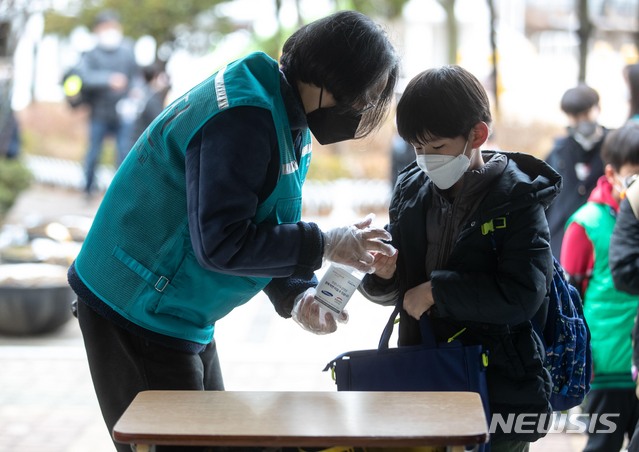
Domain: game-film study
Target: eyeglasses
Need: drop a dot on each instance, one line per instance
(627, 182)
(368, 106)
(361, 111)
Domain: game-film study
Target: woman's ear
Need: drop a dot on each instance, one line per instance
(481, 131)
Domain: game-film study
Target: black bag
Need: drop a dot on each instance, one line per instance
(75, 92)
(72, 86)
(431, 366)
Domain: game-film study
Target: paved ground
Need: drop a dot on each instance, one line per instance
(46, 398)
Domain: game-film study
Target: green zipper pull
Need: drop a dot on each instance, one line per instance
(456, 335)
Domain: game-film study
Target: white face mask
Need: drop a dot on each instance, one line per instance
(444, 170)
(110, 39)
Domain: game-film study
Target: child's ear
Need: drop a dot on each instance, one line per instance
(610, 173)
(481, 131)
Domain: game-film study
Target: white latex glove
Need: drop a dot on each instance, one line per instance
(313, 316)
(352, 245)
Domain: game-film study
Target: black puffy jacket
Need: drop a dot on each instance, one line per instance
(624, 250)
(566, 157)
(624, 260)
(494, 283)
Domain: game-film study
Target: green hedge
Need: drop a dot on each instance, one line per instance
(15, 177)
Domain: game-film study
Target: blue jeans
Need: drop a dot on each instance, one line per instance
(98, 131)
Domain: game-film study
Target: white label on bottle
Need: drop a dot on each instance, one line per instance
(335, 288)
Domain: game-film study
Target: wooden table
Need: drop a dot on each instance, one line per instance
(312, 419)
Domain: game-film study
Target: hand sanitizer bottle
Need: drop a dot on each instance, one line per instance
(337, 286)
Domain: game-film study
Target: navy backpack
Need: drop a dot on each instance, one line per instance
(566, 336)
(567, 340)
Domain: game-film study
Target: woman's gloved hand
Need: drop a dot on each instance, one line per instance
(313, 316)
(352, 245)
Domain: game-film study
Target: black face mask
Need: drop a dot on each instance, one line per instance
(330, 125)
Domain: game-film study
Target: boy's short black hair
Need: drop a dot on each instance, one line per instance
(348, 54)
(621, 146)
(579, 99)
(443, 102)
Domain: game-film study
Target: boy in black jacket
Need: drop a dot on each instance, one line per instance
(577, 157)
(473, 243)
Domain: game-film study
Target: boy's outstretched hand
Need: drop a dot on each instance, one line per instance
(385, 265)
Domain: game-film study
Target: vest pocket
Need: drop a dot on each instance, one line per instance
(159, 283)
(192, 294)
(202, 296)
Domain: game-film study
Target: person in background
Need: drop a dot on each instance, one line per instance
(107, 71)
(145, 102)
(631, 76)
(472, 243)
(10, 142)
(402, 154)
(610, 312)
(576, 157)
(624, 262)
(206, 210)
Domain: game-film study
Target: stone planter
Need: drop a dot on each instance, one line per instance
(34, 298)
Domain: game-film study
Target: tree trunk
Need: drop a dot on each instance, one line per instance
(493, 48)
(583, 32)
(636, 34)
(451, 28)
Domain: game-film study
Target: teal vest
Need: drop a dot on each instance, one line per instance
(610, 313)
(138, 256)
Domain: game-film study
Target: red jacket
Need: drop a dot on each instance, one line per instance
(577, 253)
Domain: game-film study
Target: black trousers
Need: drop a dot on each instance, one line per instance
(123, 364)
(616, 401)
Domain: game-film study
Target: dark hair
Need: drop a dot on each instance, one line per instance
(632, 76)
(108, 15)
(348, 54)
(621, 146)
(579, 99)
(149, 72)
(442, 102)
